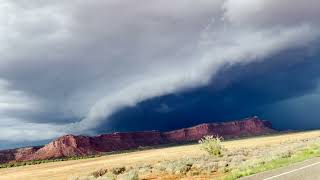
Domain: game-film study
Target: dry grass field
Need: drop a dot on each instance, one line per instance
(66, 169)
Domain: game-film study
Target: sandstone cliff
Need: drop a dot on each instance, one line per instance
(19, 154)
(70, 145)
(246, 127)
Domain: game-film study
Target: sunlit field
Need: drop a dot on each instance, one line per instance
(85, 167)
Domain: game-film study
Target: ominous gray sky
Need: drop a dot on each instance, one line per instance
(66, 66)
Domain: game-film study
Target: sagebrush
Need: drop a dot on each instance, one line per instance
(212, 145)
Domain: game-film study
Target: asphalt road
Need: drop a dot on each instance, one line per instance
(307, 170)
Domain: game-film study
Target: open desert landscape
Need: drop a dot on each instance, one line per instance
(183, 89)
(83, 169)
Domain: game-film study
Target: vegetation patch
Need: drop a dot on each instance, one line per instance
(34, 162)
(212, 145)
(290, 158)
(218, 163)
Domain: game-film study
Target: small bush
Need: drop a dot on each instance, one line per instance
(118, 170)
(287, 154)
(132, 175)
(212, 145)
(99, 173)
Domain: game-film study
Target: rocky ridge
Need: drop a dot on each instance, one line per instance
(71, 145)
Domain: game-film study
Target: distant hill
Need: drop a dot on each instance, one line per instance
(71, 145)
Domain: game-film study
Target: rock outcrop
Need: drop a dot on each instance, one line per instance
(19, 154)
(70, 145)
(246, 127)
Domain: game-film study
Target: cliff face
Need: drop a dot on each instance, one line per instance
(20, 154)
(66, 146)
(250, 126)
(70, 145)
(123, 141)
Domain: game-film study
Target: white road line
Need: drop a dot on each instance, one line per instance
(292, 171)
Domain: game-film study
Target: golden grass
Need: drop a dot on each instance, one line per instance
(63, 170)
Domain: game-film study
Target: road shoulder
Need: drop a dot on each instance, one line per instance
(285, 172)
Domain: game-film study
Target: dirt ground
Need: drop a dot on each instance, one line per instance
(65, 169)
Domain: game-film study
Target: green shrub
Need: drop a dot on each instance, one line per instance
(212, 145)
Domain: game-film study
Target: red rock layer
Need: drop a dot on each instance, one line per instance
(70, 145)
(20, 154)
(249, 126)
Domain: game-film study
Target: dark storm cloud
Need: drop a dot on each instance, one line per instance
(261, 88)
(68, 66)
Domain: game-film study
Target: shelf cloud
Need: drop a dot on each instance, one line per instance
(67, 67)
